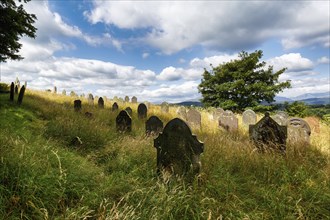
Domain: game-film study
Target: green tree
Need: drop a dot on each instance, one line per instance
(15, 22)
(241, 83)
(296, 108)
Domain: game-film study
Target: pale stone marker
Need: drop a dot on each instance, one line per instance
(299, 131)
(123, 122)
(178, 151)
(268, 135)
(134, 99)
(100, 102)
(182, 113)
(249, 117)
(154, 126)
(228, 121)
(281, 117)
(114, 107)
(217, 113)
(90, 99)
(194, 118)
(142, 111)
(77, 105)
(164, 107)
(126, 99)
(129, 110)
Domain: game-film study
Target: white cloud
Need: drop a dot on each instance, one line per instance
(214, 60)
(293, 61)
(323, 60)
(145, 55)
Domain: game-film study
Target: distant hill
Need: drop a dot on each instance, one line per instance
(308, 96)
(190, 103)
(316, 101)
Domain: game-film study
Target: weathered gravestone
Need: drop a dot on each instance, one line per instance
(281, 117)
(164, 107)
(126, 99)
(134, 99)
(90, 99)
(268, 135)
(228, 121)
(154, 126)
(194, 118)
(123, 122)
(129, 111)
(16, 89)
(21, 95)
(142, 111)
(100, 102)
(299, 131)
(249, 117)
(55, 89)
(77, 105)
(12, 88)
(217, 113)
(178, 151)
(114, 107)
(182, 113)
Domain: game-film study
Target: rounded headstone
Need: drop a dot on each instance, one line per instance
(154, 125)
(142, 111)
(100, 102)
(114, 107)
(249, 117)
(123, 122)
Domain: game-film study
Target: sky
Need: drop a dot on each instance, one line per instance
(157, 50)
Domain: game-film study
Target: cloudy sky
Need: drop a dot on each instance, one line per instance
(157, 50)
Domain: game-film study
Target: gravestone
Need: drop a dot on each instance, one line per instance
(249, 117)
(228, 121)
(64, 92)
(182, 113)
(281, 117)
(90, 99)
(299, 131)
(21, 95)
(77, 105)
(129, 111)
(217, 113)
(142, 111)
(126, 99)
(88, 114)
(267, 134)
(16, 89)
(134, 99)
(123, 122)
(121, 100)
(12, 90)
(100, 102)
(194, 118)
(164, 107)
(154, 126)
(178, 151)
(55, 89)
(114, 107)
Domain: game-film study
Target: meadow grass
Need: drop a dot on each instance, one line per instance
(113, 176)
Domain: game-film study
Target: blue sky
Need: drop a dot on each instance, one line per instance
(157, 50)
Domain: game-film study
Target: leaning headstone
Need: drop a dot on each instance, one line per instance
(16, 89)
(123, 122)
(178, 151)
(142, 111)
(268, 135)
(299, 131)
(64, 92)
(165, 107)
(228, 121)
(126, 99)
(77, 105)
(182, 113)
(21, 95)
(129, 110)
(134, 99)
(100, 102)
(154, 126)
(12, 88)
(194, 118)
(249, 117)
(114, 107)
(90, 99)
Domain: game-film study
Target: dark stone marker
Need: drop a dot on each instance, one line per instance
(16, 89)
(114, 107)
(123, 122)
(100, 102)
(126, 99)
(55, 89)
(268, 135)
(154, 126)
(134, 99)
(12, 88)
(142, 111)
(21, 95)
(88, 114)
(77, 105)
(129, 110)
(178, 151)
(299, 131)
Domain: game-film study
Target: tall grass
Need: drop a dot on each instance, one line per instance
(113, 176)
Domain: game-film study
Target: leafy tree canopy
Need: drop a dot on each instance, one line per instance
(15, 22)
(241, 83)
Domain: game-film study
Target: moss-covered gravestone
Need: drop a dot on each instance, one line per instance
(114, 107)
(129, 110)
(100, 102)
(77, 105)
(123, 122)
(12, 91)
(178, 151)
(154, 126)
(21, 95)
(268, 135)
(142, 111)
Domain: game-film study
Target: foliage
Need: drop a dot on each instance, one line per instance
(241, 83)
(4, 87)
(15, 23)
(296, 108)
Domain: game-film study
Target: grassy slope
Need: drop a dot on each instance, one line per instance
(112, 176)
